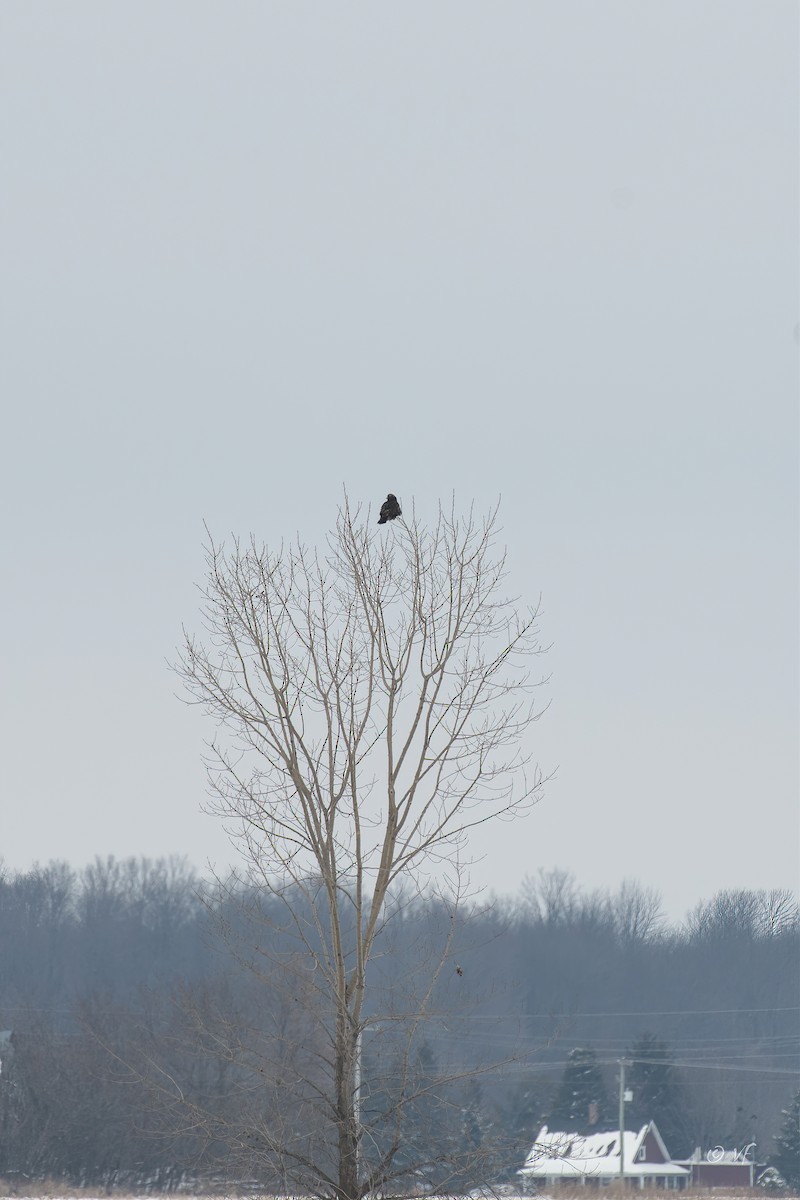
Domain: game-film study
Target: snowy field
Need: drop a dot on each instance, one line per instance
(502, 1194)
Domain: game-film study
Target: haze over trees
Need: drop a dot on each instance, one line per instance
(111, 965)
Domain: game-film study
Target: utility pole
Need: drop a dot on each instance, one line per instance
(357, 1101)
(622, 1123)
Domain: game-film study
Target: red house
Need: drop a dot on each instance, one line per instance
(558, 1157)
(722, 1168)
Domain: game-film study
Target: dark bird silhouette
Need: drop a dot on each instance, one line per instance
(389, 509)
(459, 970)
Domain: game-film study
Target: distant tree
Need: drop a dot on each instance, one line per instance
(519, 1116)
(64, 1115)
(779, 912)
(581, 1101)
(744, 914)
(786, 1159)
(656, 1094)
(474, 1123)
(383, 1083)
(552, 897)
(637, 912)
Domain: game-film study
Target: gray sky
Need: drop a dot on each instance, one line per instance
(548, 251)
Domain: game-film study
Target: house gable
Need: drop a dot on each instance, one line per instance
(564, 1155)
(650, 1146)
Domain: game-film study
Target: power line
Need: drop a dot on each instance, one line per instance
(674, 1012)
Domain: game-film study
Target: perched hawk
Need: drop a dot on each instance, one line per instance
(389, 509)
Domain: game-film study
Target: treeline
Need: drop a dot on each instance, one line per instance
(158, 1025)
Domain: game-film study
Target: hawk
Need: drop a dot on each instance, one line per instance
(389, 509)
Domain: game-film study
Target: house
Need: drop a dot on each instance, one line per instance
(594, 1158)
(722, 1168)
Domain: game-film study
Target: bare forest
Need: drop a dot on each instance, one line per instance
(130, 1006)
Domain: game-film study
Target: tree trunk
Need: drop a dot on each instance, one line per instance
(345, 1073)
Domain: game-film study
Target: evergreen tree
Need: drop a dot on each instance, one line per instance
(520, 1114)
(786, 1158)
(388, 1078)
(581, 1101)
(651, 1078)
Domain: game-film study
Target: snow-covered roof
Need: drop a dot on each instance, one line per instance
(567, 1155)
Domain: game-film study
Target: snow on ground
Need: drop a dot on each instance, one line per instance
(484, 1194)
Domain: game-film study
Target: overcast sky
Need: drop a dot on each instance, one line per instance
(546, 251)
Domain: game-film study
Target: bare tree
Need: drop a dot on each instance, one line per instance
(552, 897)
(744, 914)
(779, 912)
(374, 700)
(637, 911)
